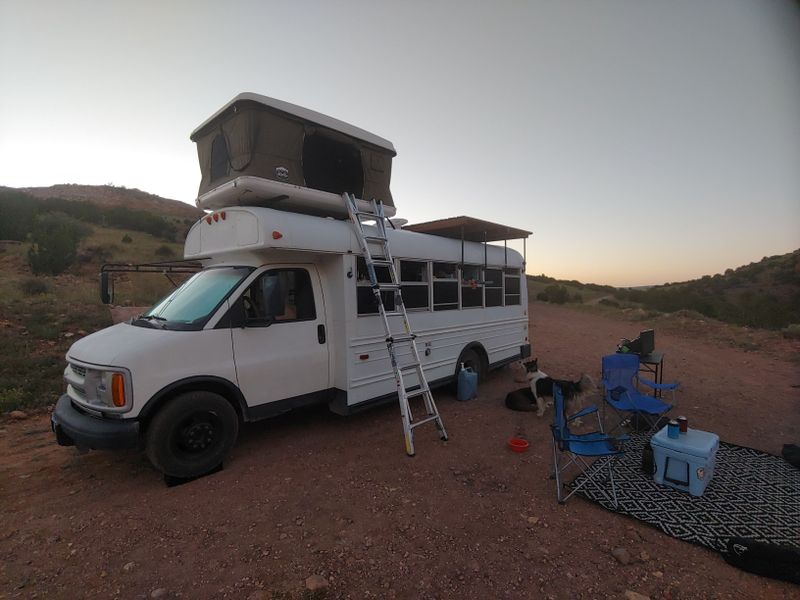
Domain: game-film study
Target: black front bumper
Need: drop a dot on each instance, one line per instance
(76, 428)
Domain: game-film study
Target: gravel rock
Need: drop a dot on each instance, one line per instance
(159, 593)
(631, 595)
(623, 556)
(18, 415)
(316, 582)
(127, 567)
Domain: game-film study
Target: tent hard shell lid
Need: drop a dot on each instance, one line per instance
(259, 151)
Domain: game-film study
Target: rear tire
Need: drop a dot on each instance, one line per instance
(473, 359)
(192, 434)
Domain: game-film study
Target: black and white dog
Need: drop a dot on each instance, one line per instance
(540, 386)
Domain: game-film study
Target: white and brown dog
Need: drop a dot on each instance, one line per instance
(540, 386)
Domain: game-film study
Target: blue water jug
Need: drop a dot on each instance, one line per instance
(467, 384)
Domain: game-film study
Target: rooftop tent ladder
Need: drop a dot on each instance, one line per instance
(374, 246)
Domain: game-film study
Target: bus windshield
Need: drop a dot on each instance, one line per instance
(193, 303)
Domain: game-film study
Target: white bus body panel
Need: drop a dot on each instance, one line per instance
(358, 359)
(157, 358)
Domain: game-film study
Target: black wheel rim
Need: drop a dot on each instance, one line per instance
(199, 434)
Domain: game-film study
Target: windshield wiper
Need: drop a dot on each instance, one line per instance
(152, 321)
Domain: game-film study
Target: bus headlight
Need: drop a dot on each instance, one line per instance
(106, 390)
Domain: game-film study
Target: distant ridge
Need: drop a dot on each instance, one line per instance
(763, 294)
(109, 195)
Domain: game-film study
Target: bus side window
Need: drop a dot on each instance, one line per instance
(512, 287)
(445, 286)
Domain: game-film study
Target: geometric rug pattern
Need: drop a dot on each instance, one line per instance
(752, 495)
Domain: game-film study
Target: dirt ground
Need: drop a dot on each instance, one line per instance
(312, 493)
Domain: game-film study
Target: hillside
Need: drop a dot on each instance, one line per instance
(764, 294)
(107, 195)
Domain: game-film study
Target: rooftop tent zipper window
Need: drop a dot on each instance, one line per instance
(332, 165)
(220, 159)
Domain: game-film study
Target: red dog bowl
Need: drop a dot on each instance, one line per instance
(518, 444)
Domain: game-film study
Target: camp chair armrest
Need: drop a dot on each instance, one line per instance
(659, 386)
(584, 437)
(583, 412)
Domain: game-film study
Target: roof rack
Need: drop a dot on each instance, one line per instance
(471, 229)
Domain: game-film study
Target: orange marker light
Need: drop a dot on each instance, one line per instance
(208, 219)
(216, 217)
(118, 390)
(222, 214)
(276, 235)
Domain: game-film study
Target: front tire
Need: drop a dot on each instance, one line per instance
(192, 434)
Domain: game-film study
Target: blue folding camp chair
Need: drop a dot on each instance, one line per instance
(620, 381)
(573, 449)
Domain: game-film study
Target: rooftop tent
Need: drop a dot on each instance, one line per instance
(258, 151)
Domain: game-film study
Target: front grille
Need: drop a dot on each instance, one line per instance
(79, 370)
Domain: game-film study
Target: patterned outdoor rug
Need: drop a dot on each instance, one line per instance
(752, 495)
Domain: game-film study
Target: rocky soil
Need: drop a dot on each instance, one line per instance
(311, 505)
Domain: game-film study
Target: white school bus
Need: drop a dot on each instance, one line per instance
(282, 314)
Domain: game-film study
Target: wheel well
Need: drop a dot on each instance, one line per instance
(217, 386)
(477, 347)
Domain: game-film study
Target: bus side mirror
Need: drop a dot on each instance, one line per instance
(106, 288)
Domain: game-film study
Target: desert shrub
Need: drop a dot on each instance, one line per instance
(33, 286)
(557, 294)
(609, 302)
(54, 246)
(792, 331)
(165, 251)
(126, 239)
(577, 298)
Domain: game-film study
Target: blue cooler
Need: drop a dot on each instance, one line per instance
(685, 463)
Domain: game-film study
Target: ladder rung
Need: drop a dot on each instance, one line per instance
(417, 392)
(427, 419)
(375, 238)
(410, 366)
(386, 286)
(400, 339)
(381, 262)
(395, 314)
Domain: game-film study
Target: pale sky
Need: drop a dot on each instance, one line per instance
(642, 142)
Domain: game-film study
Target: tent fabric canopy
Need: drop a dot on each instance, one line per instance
(261, 137)
(469, 229)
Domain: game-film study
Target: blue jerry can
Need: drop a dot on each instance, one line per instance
(467, 384)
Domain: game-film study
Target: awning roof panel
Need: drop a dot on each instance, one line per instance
(469, 229)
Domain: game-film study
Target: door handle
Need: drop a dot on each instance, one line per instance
(321, 333)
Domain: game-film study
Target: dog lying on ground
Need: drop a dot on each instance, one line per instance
(540, 386)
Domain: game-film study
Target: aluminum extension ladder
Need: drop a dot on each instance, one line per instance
(375, 250)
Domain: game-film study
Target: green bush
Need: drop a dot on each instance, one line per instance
(792, 331)
(33, 286)
(126, 239)
(54, 246)
(165, 251)
(557, 294)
